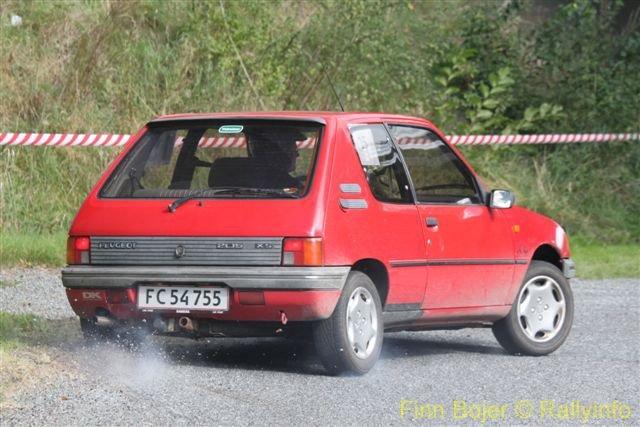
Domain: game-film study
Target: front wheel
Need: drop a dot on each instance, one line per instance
(351, 339)
(542, 313)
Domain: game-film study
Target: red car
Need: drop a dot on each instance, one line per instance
(336, 226)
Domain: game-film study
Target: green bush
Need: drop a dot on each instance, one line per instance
(483, 67)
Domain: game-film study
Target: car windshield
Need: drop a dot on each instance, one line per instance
(225, 159)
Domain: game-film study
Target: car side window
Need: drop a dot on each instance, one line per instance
(438, 175)
(381, 163)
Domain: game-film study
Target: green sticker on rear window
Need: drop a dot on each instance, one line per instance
(230, 129)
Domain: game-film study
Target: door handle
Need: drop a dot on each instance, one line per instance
(431, 221)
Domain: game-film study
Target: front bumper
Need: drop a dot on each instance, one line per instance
(569, 268)
(301, 293)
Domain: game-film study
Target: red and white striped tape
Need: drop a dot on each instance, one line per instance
(64, 139)
(115, 140)
(561, 138)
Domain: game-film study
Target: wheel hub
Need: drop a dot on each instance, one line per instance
(541, 308)
(362, 323)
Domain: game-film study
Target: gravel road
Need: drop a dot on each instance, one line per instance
(456, 376)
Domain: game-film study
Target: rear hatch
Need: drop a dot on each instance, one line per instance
(215, 192)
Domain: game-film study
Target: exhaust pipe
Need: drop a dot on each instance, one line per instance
(160, 325)
(187, 324)
(104, 321)
(164, 325)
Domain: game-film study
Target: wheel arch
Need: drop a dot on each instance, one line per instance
(378, 274)
(548, 253)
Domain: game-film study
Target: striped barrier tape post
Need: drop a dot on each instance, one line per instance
(116, 140)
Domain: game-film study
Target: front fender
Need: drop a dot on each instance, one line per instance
(531, 231)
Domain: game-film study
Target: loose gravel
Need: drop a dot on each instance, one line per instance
(266, 381)
(36, 291)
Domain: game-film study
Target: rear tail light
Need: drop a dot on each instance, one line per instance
(78, 250)
(302, 251)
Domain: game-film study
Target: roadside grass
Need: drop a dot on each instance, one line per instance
(32, 249)
(605, 261)
(16, 329)
(594, 260)
(17, 359)
(6, 283)
(25, 354)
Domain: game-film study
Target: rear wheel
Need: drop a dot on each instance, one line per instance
(542, 313)
(351, 339)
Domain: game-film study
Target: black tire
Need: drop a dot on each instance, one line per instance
(331, 336)
(510, 331)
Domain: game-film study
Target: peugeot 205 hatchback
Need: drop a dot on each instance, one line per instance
(336, 226)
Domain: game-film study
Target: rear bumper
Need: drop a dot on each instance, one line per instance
(301, 293)
(281, 278)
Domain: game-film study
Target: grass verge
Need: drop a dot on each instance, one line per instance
(594, 260)
(33, 249)
(18, 328)
(27, 356)
(17, 359)
(605, 261)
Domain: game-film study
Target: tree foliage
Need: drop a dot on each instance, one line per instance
(481, 67)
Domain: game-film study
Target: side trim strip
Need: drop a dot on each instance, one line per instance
(471, 262)
(402, 307)
(409, 263)
(445, 262)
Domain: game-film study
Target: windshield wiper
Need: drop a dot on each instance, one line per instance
(231, 191)
(257, 191)
(184, 199)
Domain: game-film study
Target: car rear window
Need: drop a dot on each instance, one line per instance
(241, 159)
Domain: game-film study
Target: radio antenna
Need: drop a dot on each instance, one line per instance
(333, 89)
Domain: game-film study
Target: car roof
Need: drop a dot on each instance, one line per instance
(318, 116)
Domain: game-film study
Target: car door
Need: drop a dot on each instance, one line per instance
(394, 232)
(470, 254)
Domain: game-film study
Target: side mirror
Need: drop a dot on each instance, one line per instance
(501, 199)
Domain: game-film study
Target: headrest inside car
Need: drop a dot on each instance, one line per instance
(237, 172)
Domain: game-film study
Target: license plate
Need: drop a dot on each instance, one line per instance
(183, 298)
